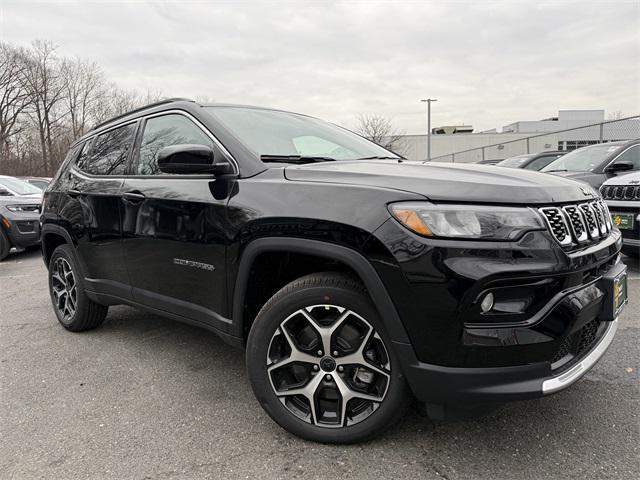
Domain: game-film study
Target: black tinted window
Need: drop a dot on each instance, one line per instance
(541, 162)
(160, 132)
(110, 151)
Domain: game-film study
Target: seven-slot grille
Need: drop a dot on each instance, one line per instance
(578, 224)
(620, 192)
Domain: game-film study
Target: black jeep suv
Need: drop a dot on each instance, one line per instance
(354, 279)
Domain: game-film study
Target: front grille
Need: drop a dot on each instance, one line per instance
(579, 224)
(578, 342)
(620, 192)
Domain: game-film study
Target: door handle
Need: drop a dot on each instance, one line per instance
(134, 196)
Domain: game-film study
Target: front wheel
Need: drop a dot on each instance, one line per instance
(320, 362)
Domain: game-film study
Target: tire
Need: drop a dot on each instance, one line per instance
(630, 251)
(5, 245)
(66, 283)
(339, 303)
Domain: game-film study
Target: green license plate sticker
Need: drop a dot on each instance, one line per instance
(623, 221)
(619, 292)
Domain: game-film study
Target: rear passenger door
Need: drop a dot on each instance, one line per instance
(93, 208)
(173, 227)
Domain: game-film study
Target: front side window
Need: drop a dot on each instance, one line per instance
(271, 133)
(110, 151)
(160, 132)
(632, 155)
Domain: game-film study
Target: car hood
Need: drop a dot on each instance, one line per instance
(593, 179)
(624, 179)
(447, 182)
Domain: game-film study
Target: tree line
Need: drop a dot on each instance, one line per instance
(47, 101)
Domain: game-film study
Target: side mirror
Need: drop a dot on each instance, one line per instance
(190, 159)
(616, 167)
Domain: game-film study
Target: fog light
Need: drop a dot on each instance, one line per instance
(487, 303)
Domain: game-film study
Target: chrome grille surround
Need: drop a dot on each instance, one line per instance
(578, 224)
(557, 223)
(590, 218)
(576, 220)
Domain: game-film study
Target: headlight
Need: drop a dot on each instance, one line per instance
(466, 221)
(20, 208)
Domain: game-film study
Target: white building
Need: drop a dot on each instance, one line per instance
(569, 130)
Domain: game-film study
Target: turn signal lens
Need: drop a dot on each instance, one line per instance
(412, 220)
(5, 222)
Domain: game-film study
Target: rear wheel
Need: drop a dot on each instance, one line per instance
(320, 363)
(73, 308)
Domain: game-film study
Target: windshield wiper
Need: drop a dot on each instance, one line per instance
(558, 170)
(296, 159)
(379, 158)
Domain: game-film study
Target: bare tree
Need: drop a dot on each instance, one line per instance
(379, 130)
(617, 115)
(14, 97)
(84, 83)
(47, 88)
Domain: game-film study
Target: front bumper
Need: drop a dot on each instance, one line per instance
(23, 230)
(434, 384)
(457, 357)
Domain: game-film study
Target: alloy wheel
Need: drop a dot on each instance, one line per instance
(328, 366)
(63, 289)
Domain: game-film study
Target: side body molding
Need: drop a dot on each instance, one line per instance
(345, 255)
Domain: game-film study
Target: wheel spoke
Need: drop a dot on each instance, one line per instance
(308, 391)
(323, 332)
(348, 394)
(296, 355)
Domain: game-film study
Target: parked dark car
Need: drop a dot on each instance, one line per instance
(19, 222)
(491, 161)
(531, 161)
(622, 194)
(41, 182)
(597, 163)
(354, 280)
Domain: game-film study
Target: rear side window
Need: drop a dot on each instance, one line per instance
(160, 132)
(110, 152)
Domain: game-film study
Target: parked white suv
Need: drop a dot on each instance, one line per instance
(622, 195)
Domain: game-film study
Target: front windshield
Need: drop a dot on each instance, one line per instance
(272, 133)
(582, 160)
(514, 162)
(18, 186)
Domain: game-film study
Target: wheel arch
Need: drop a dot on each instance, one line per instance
(348, 257)
(51, 237)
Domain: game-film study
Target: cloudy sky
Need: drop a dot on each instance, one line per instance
(489, 63)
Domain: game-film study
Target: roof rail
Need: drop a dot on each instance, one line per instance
(139, 109)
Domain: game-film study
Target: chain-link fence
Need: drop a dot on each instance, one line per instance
(569, 139)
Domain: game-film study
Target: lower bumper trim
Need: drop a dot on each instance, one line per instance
(576, 372)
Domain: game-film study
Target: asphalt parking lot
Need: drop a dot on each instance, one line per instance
(146, 398)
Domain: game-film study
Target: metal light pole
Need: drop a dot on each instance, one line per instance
(428, 102)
